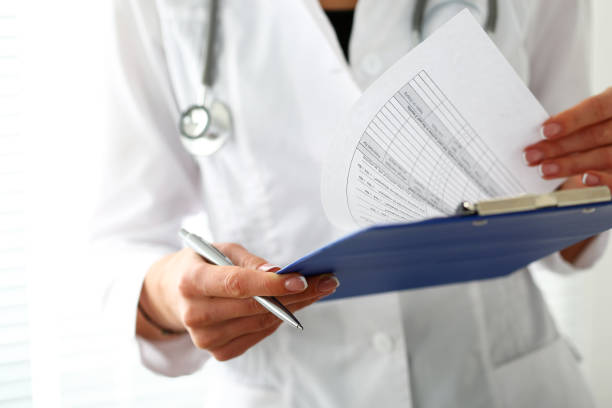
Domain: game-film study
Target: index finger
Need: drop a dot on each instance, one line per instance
(241, 257)
(588, 112)
(240, 282)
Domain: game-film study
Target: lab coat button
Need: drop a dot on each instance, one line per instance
(371, 65)
(383, 342)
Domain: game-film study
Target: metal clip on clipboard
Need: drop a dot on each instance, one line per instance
(529, 202)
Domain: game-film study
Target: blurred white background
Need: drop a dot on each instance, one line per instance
(598, 283)
(582, 303)
(71, 360)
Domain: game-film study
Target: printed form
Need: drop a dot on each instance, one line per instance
(445, 124)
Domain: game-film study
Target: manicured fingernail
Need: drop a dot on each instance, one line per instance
(548, 169)
(589, 179)
(532, 156)
(328, 284)
(296, 283)
(269, 268)
(550, 130)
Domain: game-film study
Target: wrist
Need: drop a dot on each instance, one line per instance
(154, 316)
(148, 327)
(572, 253)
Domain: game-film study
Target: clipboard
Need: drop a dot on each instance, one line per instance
(485, 240)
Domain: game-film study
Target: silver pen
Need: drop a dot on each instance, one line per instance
(216, 257)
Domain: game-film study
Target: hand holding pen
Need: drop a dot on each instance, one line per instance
(215, 304)
(214, 256)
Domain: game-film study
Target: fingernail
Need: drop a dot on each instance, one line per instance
(589, 179)
(532, 156)
(329, 283)
(296, 283)
(548, 169)
(550, 130)
(268, 267)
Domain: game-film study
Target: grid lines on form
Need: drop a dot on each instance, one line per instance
(419, 157)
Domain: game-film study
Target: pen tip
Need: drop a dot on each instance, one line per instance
(299, 326)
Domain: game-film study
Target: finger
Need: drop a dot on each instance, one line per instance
(210, 311)
(597, 178)
(241, 257)
(241, 344)
(589, 112)
(586, 139)
(238, 282)
(217, 336)
(596, 159)
(572, 183)
(317, 285)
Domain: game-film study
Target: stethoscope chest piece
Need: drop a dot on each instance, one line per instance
(204, 130)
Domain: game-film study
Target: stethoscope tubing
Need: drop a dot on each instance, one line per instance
(211, 33)
(418, 16)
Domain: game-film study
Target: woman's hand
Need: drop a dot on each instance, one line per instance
(577, 146)
(214, 304)
(578, 143)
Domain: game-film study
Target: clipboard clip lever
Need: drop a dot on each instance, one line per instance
(529, 202)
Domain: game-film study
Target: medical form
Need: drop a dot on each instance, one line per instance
(445, 124)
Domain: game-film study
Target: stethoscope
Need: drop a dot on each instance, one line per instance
(418, 16)
(205, 128)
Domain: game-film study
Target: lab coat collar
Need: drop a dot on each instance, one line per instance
(321, 21)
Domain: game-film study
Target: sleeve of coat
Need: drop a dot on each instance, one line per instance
(558, 42)
(149, 183)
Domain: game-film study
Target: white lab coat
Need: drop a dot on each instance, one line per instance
(280, 69)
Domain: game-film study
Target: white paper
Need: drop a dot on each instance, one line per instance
(445, 124)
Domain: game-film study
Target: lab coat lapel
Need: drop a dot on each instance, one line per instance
(331, 47)
(327, 89)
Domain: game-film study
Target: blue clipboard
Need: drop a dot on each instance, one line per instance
(450, 250)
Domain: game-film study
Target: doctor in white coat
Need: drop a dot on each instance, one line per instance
(282, 72)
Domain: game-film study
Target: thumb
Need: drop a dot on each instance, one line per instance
(597, 178)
